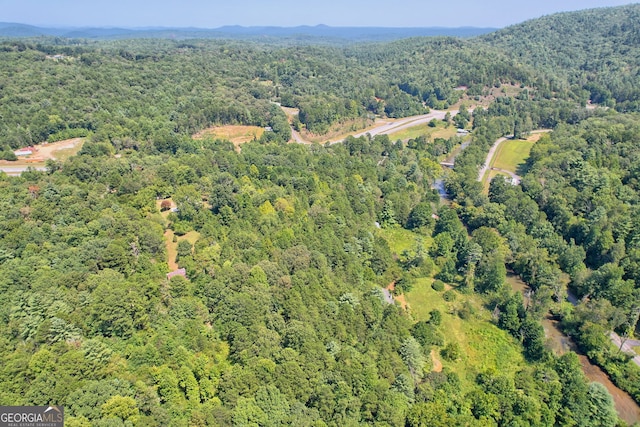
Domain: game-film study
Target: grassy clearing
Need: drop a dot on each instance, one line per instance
(191, 237)
(511, 154)
(65, 153)
(172, 247)
(489, 96)
(400, 239)
(235, 134)
(341, 131)
(424, 130)
(484, 346)
(487, 348)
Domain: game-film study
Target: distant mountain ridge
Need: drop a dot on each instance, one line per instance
(8, 29)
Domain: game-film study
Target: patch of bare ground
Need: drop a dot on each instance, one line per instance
(534, 137)
(236, 134)
(399, 298)
(437, 364)
(170, 236)
(60, 150)
(172, 249)
(489, 95)
(171, 246)
(290, 112)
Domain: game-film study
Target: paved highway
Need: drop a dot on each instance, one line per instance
(17, 170)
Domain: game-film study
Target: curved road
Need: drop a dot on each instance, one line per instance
(406, 122)
(492, 152)
(515, 179)
(386, 127)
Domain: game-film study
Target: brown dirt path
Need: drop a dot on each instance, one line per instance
(437, 364)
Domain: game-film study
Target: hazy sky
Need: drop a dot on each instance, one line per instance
(215, 13)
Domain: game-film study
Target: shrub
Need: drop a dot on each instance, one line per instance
(449, 296)
(435, 317)
(451, 352)
(438, 285)
(466, 311)
(403, 285)
(8, 155)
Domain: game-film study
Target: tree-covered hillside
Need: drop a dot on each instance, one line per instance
(158, 91)
(596, 52)
(282, 320)
(291, 265)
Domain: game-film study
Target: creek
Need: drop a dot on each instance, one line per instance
(627, 408)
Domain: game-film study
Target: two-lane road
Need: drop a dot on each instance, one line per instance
(17, 170)
(406, 122)
(386, 127)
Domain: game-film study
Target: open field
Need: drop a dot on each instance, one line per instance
(424, 130)
(484, 347)
(511, 154)
(340, 131)
(489, 95)
(236, 134)
(290, 112)
(507, 156)
(400, 239)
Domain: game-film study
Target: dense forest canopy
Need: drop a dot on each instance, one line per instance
(595, 51)
(283, 315)
(138, 90)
